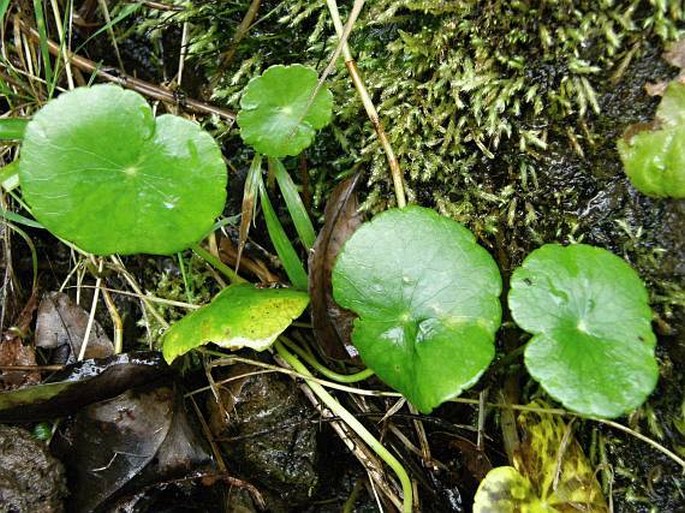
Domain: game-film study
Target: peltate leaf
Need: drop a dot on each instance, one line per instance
(279, 115)
(593, 345)
(239, 316)
(99, 170)
(654, 156)
(427, 297)
(550, 474)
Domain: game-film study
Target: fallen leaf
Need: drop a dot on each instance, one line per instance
(62, 322)
(81, 384)
(333, 324)
(117, 447)
(550, 473)
(13, 352)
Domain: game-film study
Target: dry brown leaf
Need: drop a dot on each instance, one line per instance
(13, 352)
(333, 324)
(62, 322)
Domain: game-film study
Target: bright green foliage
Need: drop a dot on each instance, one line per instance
(239, 316)
(593, 345)
(12, 129)
(551, 474)
(99, 170)
(427, 297)
(282, 244)
(279, 113)
(654, 159)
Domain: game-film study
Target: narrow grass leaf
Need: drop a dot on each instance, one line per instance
(42, 31)
(4, 5)
(12, 129)
(125, 12)
(19, 219)
(296, 208)
(9, 176)
(291, 263)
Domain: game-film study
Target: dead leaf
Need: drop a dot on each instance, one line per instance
(62, 322)
(228, 254)
(550, 472)
(118, 447)
(81, 384)
(333, 324)
(13, 352)
(247, 211)
(675, 54)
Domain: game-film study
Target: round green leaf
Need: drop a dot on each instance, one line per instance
(593, 345)
(239, 316)
(277, 114)
(427, 297)
(99, 170)
(654, 160)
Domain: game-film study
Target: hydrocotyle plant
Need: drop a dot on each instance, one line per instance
(99, 170)
(654, 154)
(281, 110)
(593, 344)
(427, 297)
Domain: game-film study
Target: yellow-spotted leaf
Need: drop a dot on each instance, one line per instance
(550, 474)
(239, 316)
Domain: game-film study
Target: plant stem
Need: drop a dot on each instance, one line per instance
(322, 369)
(117, 324)
(349, 419)
(218, 264)
(91, 317)
(371, 111)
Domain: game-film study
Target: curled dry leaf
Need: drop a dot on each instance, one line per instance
(332, 323)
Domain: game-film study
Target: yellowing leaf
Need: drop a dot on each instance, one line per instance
(239, 316)
(550, 474)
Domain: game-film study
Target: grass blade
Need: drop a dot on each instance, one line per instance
(9, 176)
(45, 53)
(4, 5)
(19, 219)
(12, 129)
(286, 252)
(296, 209)
(125, 12)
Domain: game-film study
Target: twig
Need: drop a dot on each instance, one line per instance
(145, 88)
(116, 321)
(93, 307)
(240, 32)
(368, 103)
(159, 6)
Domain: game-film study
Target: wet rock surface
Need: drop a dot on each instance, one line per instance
(31, 480)
(266, 428)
